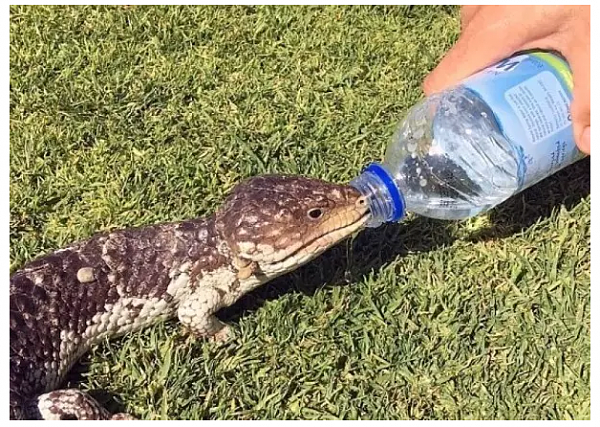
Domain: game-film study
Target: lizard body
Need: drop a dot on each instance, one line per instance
(63, 303)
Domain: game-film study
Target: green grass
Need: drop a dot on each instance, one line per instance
(129, 116)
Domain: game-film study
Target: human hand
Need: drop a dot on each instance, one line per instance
(492, 33)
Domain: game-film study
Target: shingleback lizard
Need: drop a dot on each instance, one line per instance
(121, 281)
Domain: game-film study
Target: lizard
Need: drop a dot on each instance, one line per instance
(120, 281)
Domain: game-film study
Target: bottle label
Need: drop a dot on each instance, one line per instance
(530, 95)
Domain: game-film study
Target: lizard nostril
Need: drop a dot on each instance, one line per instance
(361, 202)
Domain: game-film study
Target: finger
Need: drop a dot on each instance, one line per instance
(580, 111)
(584, 141)
(578, 57)
(580, 108)
(467, 13)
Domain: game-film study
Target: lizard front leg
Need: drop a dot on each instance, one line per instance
(196, 313)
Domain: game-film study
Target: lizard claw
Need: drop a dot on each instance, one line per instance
(121, 416)
(223, 335)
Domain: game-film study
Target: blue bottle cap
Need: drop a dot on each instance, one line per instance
(397, 199)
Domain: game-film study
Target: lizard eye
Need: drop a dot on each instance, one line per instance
(315, 213)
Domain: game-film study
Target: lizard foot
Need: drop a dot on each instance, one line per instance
(223, 335)
(122, 416)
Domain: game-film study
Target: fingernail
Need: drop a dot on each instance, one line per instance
(585, 140)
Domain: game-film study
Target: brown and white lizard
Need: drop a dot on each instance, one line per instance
(121, 281)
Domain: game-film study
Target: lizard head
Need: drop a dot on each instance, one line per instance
(275, 223)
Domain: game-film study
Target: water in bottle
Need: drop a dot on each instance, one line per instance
(465, 150)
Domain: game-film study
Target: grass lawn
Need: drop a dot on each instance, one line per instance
(125, 116)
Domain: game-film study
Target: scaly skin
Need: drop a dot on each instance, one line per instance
(117, 282)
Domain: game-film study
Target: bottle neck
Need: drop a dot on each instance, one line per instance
(384, 198)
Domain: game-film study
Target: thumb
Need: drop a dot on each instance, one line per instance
(476, 49)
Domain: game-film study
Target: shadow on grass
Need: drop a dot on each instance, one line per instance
(374, 248)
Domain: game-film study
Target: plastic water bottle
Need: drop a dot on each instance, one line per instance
(465, 150)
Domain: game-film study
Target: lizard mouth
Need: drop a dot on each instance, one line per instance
(318, 244)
